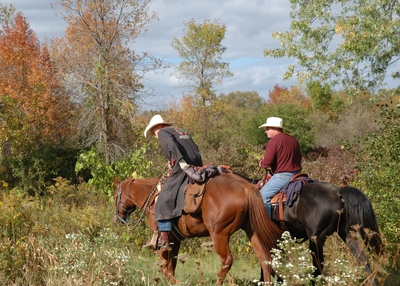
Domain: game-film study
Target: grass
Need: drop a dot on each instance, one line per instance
(196, 270)
(70, 240)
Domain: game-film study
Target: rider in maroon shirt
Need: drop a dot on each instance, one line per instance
(282, 155)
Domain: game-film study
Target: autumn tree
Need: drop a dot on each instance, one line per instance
(101, 69)
(351, 43)
(35, 112)
(34, 108)
(292, 95)
(276, 93)
(201, 51)
(223, 141)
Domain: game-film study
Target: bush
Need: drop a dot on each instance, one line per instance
(293, 264)
(33, 172)
(379, 173)
(102, 174)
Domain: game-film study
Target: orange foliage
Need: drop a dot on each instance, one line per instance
(37, 107)
(275, 94)
(292, 95)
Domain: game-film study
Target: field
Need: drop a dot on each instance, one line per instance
(70, 240)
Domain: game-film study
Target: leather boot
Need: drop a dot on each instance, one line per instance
(165, 239)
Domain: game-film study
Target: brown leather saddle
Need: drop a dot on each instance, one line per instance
(279, 200)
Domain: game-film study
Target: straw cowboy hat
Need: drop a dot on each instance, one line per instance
(276, 122)
(155, 120)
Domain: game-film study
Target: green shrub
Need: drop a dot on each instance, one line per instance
(33, 172)
(103, 174)
(379, 174)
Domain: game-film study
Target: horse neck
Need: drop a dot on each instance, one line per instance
(139, 190)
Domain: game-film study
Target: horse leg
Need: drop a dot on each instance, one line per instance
(317, 251)
(221, 247)
(169, 258)
(261, 255)
(175, 252)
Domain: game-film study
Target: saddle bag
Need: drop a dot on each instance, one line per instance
(193, 198)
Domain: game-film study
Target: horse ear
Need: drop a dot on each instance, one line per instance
(116, 182)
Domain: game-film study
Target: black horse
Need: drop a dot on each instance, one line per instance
(322, 209)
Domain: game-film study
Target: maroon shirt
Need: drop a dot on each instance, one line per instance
(282, 153)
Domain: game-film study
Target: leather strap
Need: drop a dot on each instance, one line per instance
(184, 225)
(281, 217)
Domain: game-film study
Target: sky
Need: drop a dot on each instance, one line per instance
(249, 25)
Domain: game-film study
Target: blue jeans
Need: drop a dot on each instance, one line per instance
(164, 225)
(274, 184)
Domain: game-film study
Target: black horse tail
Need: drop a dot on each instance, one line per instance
(359, 211)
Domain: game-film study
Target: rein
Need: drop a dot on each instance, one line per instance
(256, 175)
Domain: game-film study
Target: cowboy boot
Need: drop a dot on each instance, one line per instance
(164, 240)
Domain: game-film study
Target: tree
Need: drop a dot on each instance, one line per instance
(292, 95)
(35, 112)
(321, 95)
(222, 141)
(242, 100)
(379, 176)
(102, 70)
(6, 12)
(352, 43)
(276, 93)
(201, 50)
(34, 108)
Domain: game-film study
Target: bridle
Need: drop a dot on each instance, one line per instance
(128, 212)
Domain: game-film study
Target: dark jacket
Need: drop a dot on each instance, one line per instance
(177, 145)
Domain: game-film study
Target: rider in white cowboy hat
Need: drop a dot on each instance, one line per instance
(183, 155)
(282, 155)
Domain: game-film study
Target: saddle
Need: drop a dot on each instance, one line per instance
(287, 195)
(194, 192)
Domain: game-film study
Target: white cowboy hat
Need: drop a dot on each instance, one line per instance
(273, 122)
(155, 120)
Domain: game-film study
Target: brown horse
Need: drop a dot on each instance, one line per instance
(230, 203)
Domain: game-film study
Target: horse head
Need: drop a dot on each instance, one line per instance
(124, 206)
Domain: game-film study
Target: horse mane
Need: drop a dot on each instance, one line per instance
(251, 181)
(358, 206)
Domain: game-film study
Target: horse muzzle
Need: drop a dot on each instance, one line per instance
(119, 221)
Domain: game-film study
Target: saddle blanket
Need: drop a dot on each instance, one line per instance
(293, 188)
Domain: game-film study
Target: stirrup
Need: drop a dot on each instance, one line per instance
(166, 246)
(161, 243)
